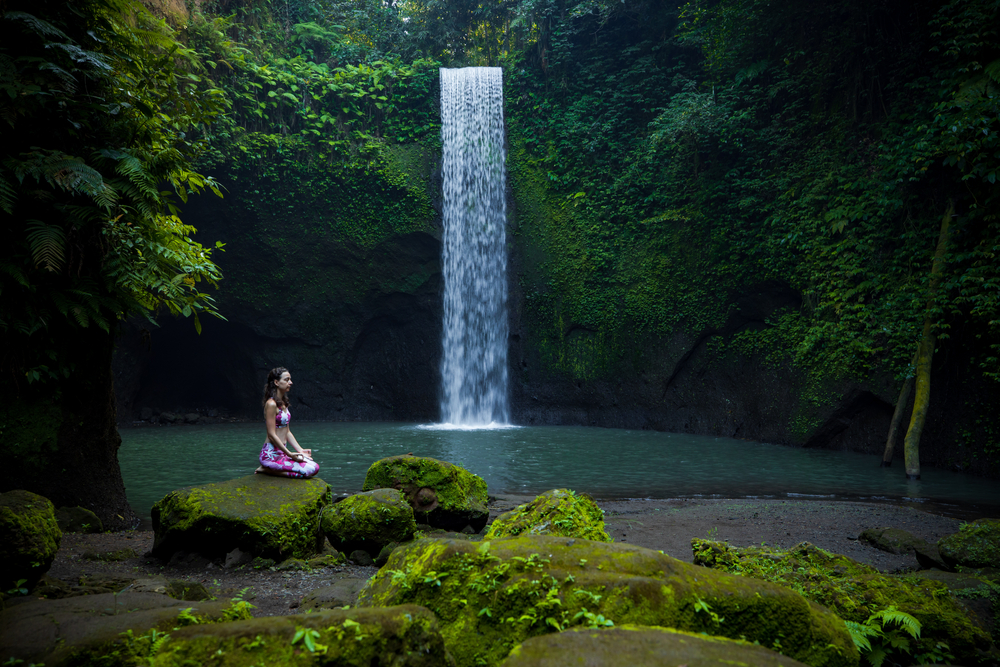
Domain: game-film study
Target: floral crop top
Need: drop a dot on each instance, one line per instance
(282, 418)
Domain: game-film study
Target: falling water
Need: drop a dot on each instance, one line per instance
(474, 362)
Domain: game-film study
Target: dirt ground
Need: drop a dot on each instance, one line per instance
(667, 525)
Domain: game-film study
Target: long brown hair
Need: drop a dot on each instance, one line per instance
(271, 388)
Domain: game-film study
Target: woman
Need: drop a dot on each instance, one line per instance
(276, 458)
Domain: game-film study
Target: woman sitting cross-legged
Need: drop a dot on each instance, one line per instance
(276, 458)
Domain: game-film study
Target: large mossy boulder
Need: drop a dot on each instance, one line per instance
(557, 512)
(976, 544)
(369, 521)
(856, 591)
(405, 636)
(893, 540)
(29, 538)
(441, 494)
(491, 596)
(87, 629)
(78, 520)
(271, 517)
(640, 646)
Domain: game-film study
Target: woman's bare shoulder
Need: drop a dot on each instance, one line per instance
(270, 405)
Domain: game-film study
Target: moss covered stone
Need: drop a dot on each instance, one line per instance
(976, 544)
(640, 646)
(270, 517)
(491, 596)
(369, 521)
(893, 540)
(855, 591)
(29, 538)
(441, 494)
(556, 512)
(405, 636)
(78, 520)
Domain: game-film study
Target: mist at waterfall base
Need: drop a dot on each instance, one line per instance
(474, 250)
(607, 463)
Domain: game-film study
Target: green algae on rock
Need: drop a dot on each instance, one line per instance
(976, 544)
(270, 517)
(29, 538)
(557, 512)
(78, 520)
(441, 494)
(892, 540)
(369, 521)
(641, 646)
(855, 591)
(405, 636)
(491, 596)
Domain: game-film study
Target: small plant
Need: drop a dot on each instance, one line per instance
(187, 617)
(702, 607)
(19, 589)
(308, 637)
(593, 620)
(877, 640)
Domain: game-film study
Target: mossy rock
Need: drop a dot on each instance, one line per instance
(29, 538)
(856, 591)
(340, 593)
(369, 521)
(557, 512)
(893, 540)
(405, 636)
(88, 629)
(976, 544)
(491, 596)
(640, 646)
(78, 520)
(115, 556)
(270, 517)
(441, 494)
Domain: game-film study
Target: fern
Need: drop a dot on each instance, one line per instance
(7, 196)
(36, 24)
(860, 633)
(47, 244)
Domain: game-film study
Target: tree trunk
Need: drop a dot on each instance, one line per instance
(925, 354)
(59, 438)
(897, 419)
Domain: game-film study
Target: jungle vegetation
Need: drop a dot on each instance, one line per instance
(685, 152)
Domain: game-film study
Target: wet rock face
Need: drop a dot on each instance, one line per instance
(976, 544)
(492, 595)
(29, 538)
(556, 512)
(271, 517)
(637, 646)
(369, 521)
(441, 494)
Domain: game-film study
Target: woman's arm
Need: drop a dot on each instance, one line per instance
(270, 411)
(295, 444)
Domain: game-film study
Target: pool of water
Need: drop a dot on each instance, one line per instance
(607, 463)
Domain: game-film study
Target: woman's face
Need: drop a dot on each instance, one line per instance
(284, 383)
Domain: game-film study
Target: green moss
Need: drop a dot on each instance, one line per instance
(369, 521)
(493, 595)
(454, 488)
(404, 636)
(555, 512)
(29, 538)
(854, 590)
(267, 516)
(976, 544)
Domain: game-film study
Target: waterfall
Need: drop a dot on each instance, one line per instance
(474, 360)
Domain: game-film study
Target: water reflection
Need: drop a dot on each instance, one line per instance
(603, 462)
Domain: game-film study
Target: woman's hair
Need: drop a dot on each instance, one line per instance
(271, 388)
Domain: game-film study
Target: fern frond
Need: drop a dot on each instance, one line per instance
(860, 633)
(15, 272)
(64, 171)
(890, 614)
(993, 71)
(7, 195)
(83, 56)
(47, 244)
(37, 25)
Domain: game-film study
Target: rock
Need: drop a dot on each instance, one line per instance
(259, 563)
(110, 556)
(976, 544)
(398, 636)
(340, 593)
(929, 556)
(78, 520)
(638, 646)
(292, 565)
(236, 557)
(327, 560)
(491, 596)
(441, 494)
(361, 557)
(191, 418)
(854, 591)
(29, 538)
(168, 417)
(556, 512)
(892, 540)
(189, 561)
(383, 556)
(369, 521)
(272, 517)
(975, 593)
(53, 631)
(180, 589)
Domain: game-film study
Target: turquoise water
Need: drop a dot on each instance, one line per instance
(607, 463)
